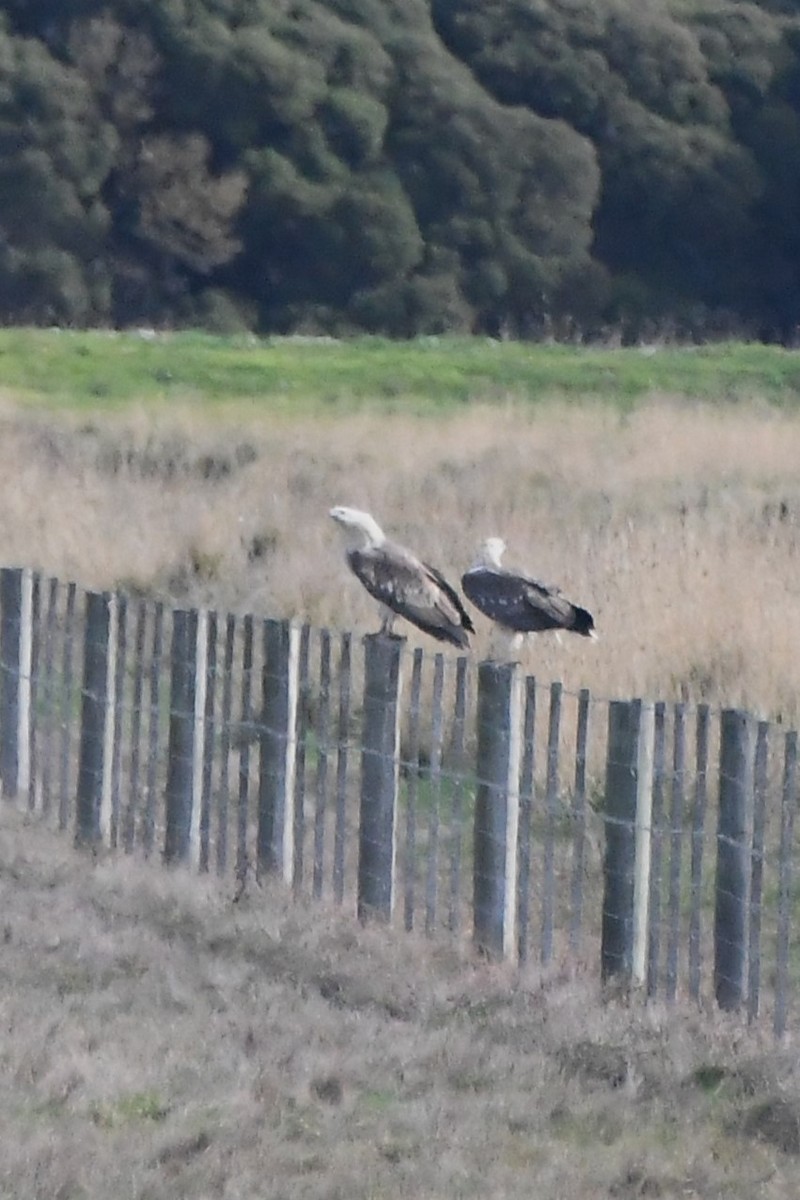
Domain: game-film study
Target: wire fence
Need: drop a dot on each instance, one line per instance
(654, 842)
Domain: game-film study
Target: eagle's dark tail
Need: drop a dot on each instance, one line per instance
(583, 622)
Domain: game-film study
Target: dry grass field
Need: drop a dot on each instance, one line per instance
(677, 524)
(160, 1041)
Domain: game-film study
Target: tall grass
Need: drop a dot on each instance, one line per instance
(677, 524)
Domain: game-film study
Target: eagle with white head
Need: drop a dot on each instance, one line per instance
(517, 602)
(402, 584)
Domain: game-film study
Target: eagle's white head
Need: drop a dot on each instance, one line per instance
(490, 552)
(359, 527)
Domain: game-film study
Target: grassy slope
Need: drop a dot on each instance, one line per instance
(98, 369)
(159, 1041)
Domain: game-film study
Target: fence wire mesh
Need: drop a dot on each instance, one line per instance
(456, 798)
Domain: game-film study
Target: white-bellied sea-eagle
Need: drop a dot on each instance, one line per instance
(401, 583)
(518, 603)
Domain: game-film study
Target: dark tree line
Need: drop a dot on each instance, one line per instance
(515, 167)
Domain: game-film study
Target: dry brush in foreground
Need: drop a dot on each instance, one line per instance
(161, 1041)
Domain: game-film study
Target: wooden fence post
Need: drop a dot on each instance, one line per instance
(380, 761)
(657, 836)
(760, 791)
(323, 754)
(93, 776)
(108, 730)
(65, 708)
(16, 646)
(342, 760)
(198, 736)
(497, 808)
(628, 801)
(527, 788)
(578, 816)
(699, 806)
(785, 895)
(207, 648)
(276, 790)
(180, 766)
(730, 910)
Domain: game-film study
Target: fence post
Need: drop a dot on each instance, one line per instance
(276, 791)
(16, 645)
(643, 846)
(730, 909)
(497, 808)
(108, 731)
(92, 774)
(628, 801)
(199, 736)
(699, 807)
(65, 708)
(760, 791)
(578, 816)
(785, 853)
(380, 760)
(180, 766)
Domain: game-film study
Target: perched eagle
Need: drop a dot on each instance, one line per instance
(400, 582)
(518, 603)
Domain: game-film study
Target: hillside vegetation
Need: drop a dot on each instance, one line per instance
(515, 167)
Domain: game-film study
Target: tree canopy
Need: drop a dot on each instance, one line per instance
(513, 167)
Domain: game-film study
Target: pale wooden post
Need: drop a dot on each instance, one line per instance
(435, 776)
(579, 822)
(154, 731)
(114, 722)
(457, 811)
(199, 736)
(26, 661)
(698, 832)
(628, 799)
(785, 891)
(497, 808)
(276, 793)
(380, 761)
(342, 761)
(223, 797)
(94, 717)
(131, 813)
(208, 727)
(323, 754)
(526, 802)
(16, 650)
(676, 820)
(550, 814)
(109, 723)
(412, 790)
(180, 753)
(760, 791)
(642, 850)
(730, 911)
(656, 845)
(65, 708)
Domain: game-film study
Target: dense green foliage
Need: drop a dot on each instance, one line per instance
(86, 371)
(513, 167)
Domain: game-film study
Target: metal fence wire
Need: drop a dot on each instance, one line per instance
(651, 841)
